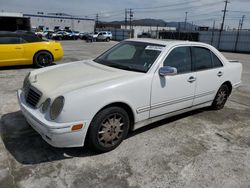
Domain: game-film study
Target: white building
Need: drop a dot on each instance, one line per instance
(11, 14)
(60, 21)
(138, 30)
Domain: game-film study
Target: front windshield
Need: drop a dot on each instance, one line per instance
(131, 55)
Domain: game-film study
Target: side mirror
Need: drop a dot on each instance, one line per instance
(167, 71)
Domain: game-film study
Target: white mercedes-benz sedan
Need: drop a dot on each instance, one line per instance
(133, 84)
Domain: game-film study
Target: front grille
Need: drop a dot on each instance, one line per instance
(32, 96)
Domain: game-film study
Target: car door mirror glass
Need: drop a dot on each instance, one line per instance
(167, 71)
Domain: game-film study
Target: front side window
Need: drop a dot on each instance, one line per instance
(201, 58)
(179, 58)
(9, 40)
(130, 55)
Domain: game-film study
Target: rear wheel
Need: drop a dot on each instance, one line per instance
(221, 97)
(43, 59)
(108, 39)
(108, 129)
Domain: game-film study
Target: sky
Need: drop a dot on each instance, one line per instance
(200, 12)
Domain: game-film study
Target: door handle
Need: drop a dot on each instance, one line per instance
(220, 74)
(18, 48)
(191, 79)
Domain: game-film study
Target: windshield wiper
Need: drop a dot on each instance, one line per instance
(124, 67)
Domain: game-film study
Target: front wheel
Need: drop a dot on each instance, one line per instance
(43, 59)
(221, 97)
(108, 129)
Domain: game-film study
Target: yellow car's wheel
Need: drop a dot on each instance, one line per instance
(43, 59)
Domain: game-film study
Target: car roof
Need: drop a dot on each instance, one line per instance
(165, 42)
(15, 34)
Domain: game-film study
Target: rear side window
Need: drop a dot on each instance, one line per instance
(180, 58)
(201, 58)
(31, 38)
(216, 62)
(9, 40)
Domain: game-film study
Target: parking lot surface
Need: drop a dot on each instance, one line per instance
(202, 148)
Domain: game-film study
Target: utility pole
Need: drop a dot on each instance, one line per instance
(223, 21)
(126, 18)
(96, 21)
(242, 21)
(157, 31)
(130, 18)
(212, 40)
(238, 32)
(185, 26)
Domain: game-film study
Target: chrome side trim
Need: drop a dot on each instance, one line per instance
(170, 114)
(204, 94)
(166, 103)
(143, 109)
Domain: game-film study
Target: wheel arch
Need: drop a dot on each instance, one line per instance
(229, 85)
(124, 106)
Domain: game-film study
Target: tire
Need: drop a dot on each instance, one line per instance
(42, 59)
(108, 39)
(108, 129)
(221, 98)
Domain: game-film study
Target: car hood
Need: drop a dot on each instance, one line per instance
(60, 79)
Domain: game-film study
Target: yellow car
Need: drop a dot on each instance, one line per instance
(23, 48)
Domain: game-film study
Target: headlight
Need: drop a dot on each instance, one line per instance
(56, 107)
(26, 80)
(46, 105)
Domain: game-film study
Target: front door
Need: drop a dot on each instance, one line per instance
(173, 93)
(11, 51)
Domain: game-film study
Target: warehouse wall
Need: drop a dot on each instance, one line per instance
(50, 22)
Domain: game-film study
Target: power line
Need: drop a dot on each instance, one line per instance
(175, 9)
(238, 11)
(169, 5)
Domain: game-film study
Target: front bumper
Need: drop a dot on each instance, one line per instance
(56, 134)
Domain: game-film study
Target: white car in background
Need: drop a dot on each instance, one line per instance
(135, 83)
(102, 36)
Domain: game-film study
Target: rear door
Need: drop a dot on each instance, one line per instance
(11, 51)
(209, 71)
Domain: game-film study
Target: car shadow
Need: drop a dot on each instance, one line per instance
(16, 67)
(165, 121)
(28, 147)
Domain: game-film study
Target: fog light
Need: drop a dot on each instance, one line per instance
(77, 127)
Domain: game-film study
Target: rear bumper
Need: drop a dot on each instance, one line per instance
(56, 134)
(236, 85)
